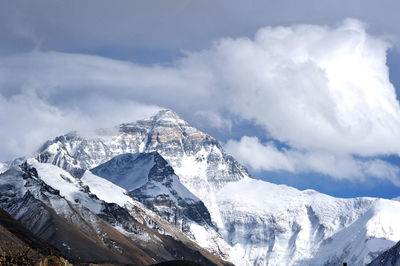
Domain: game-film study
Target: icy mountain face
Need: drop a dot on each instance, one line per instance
(112, 193)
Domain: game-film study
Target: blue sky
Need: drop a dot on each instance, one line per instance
(296, 90)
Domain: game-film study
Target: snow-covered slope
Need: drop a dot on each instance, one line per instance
(279, 225)
(68, 186)
(264, 224)
(106, 190)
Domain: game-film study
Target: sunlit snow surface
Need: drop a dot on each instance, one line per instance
(69, 186)
(105, 190)
(3, 167)
(280, 225)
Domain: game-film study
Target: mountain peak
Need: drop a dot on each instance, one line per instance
(168, 116)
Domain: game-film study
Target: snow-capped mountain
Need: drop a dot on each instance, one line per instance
(4, 166)
(197, 158)
(174, 170)
(60, 208)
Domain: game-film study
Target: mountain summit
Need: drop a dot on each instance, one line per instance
(167, 115)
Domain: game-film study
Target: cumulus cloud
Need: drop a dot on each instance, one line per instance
(312, 87)
(267, 157)
(324, 91)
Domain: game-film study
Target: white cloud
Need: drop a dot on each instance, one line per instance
(251, 152)
(28, 121)
(323, 91)
(312, 87)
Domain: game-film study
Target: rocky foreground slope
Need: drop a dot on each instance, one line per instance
(18, 246)
(159, 180)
